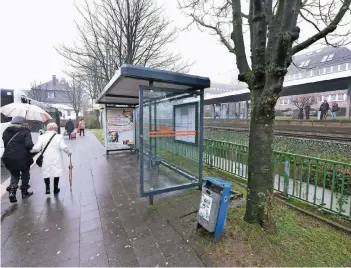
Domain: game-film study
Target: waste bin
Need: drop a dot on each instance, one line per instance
(214, 206)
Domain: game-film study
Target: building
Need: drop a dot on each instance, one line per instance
(55, 93)
(318, 63)
(324, 73)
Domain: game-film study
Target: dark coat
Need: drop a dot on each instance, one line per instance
(17, 154)
(69, 126)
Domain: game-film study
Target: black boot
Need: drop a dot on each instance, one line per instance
(26, 193)
(47, 185)
(12, 194)
(56, 182)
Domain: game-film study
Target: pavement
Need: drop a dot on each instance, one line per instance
(102, 222)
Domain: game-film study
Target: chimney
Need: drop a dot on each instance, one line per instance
(54, 80)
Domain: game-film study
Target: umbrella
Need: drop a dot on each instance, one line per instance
(28, 111)
(70, 167)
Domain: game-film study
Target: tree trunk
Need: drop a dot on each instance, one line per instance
(77, 119)
(260, 162)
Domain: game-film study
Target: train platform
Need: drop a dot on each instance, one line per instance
(102, 222)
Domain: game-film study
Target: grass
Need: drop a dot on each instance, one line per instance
(99, 134)
(300, 241)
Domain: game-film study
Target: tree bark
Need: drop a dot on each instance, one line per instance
(77, 119)
(260, 162)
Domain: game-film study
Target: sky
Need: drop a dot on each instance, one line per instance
(31, 29)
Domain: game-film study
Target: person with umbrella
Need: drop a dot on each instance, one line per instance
(52, 157)
(17, 157)
(69, 127)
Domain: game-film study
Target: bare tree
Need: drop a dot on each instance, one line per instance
(37, 92)
(114, 32)
(75, 95)
(301, 101)
(272, 29)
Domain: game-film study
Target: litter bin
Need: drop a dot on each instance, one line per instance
(214, 206)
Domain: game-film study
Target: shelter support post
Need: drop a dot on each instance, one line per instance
(141, 141)
(247, 106)
(348, 102)
(105, 127)
(201, 136)
(213, 111)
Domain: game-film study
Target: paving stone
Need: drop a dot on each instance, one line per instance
(184, 258)
(155, 260)
(121, 253)
(88, 216)
(90, 225)
(91, 237)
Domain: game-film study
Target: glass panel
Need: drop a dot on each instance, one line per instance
(170, 141)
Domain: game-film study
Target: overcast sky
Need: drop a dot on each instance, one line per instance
(30, 29)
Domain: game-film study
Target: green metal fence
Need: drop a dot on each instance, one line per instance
(321, 182)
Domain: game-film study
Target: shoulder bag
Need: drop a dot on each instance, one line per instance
(40, 159)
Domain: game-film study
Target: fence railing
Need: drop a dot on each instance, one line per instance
(321, 182)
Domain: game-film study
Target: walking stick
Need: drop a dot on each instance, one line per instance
(70, 167)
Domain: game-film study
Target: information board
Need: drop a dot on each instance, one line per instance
(119, 128)
(185, 121)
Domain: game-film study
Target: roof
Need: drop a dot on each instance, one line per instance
(61, 85)
(123, 88)
(314, 58)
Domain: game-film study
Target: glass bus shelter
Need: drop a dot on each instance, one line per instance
(168, 112)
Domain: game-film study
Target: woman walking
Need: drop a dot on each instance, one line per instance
(81, 127)
(69, 127)
(17, 157)
(52, 157)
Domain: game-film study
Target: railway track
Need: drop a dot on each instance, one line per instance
(293, 134)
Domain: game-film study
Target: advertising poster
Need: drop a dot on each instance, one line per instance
(185, 120)
(120, 128)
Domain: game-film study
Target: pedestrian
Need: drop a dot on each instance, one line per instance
(17, 157)
(307, 111)
(325, 109)
(334, 109)
(69, 127)
(81, 127)
(321, 110)
(52, 157)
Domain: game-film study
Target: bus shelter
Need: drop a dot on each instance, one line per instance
(159, 113)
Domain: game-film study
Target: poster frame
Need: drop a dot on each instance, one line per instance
(196, 103)
(121, 107)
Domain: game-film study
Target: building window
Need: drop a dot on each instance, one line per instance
(284, 101)
(320, 98)
(68, 113)
(304, 63)
(51, 95)
(328, 70)
(327, 57)
(333, 97)
(340, 97)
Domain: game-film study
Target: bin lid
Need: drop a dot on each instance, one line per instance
(219, 182)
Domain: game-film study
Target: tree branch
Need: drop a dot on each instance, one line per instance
(328, 29)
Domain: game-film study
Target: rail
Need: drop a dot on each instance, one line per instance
(320, 182)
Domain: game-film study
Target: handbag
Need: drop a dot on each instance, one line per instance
(40, 159)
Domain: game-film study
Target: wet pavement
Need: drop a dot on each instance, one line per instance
(102, 222)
